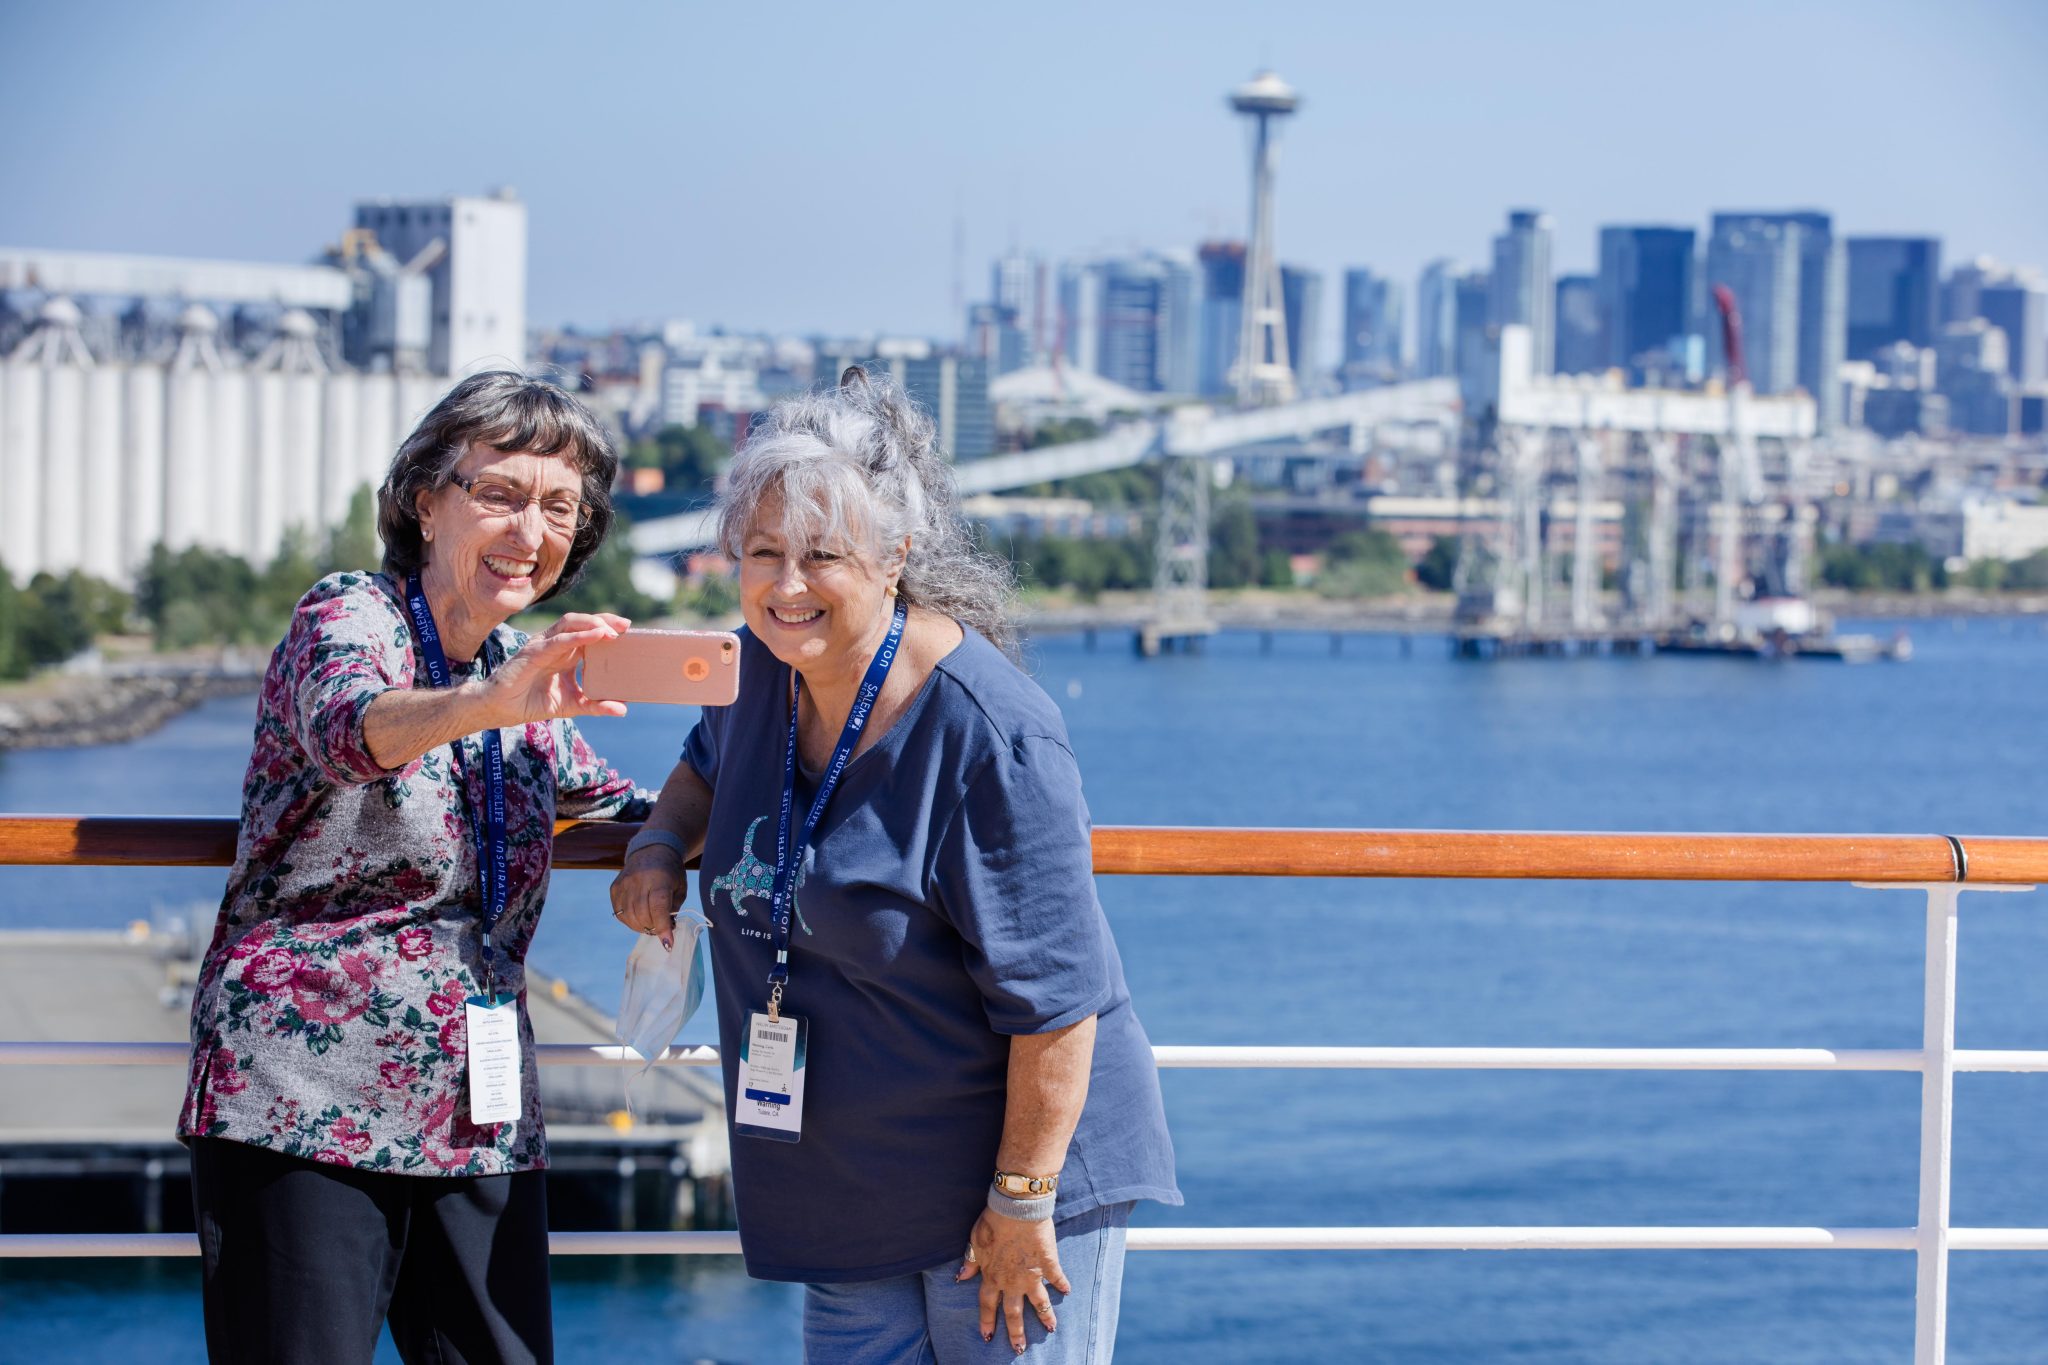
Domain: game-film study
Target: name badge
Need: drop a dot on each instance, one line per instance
(771, 1083)
(494, 1091)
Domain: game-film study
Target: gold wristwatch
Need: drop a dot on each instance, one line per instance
(1026, 1186)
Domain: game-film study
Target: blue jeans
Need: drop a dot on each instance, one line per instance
(927, 1318)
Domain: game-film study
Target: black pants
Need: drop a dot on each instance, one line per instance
(303, 1261)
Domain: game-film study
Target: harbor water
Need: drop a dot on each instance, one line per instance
(1372, 735)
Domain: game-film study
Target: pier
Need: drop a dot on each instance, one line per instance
(88, 1147)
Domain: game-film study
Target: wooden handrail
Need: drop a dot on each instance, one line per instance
(1140, 850)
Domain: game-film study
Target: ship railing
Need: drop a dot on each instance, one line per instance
(1939, 868)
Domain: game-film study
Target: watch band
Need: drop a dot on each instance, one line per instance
(1026, 1186)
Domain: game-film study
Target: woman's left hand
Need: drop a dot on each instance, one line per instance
(1016, 1260)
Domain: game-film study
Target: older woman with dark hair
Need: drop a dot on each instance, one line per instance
(362, 1113)
(942, 1102)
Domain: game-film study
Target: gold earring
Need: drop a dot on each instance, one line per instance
(892, 590)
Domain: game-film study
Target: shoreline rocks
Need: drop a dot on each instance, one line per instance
(112, 708)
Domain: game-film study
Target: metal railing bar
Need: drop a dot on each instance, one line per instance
(177, 841)
(21, 1246)
(1250, 1057)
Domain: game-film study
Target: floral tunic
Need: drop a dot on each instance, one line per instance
(327, 1021)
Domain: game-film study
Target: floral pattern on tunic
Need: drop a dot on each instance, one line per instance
(327, 1020)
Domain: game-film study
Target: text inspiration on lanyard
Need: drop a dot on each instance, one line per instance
(493, 861)
(786, 858)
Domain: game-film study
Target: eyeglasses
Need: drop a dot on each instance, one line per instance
(559, 510)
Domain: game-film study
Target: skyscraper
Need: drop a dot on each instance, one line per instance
(1301, 294)
(1436, 319)
(1894, 286)
(1523, 290)
(1372, 330)
(1645, 293)
(1821, 288)
(1478, 340)
(1078, 331)
(1017, 286)
(1148, 324)
(2013, 300)
(1579, 345)
(1222, 266)
(1759, 262)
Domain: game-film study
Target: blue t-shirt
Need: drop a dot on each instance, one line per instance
(946, 903)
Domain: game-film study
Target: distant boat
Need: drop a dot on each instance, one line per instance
(1783, 628)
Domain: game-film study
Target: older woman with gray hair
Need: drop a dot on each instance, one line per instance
(943, 1105)
(361, 1107)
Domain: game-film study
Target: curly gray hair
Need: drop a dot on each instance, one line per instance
(859, 464)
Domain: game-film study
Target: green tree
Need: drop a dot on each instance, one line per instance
(1234, 546)
(1062, 431)
(1276, 570)
(2029, 574)
(13, 661)
(1439, 566)
(1363, 564)
(354, 544)
(607, 581)
(689, 458)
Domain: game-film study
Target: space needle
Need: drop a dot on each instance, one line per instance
(1263, 374)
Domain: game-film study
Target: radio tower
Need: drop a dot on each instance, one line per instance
(1262, 373)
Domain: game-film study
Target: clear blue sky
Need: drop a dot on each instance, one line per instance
(801, 166)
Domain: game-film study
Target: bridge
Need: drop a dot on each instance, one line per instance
(1183, 440)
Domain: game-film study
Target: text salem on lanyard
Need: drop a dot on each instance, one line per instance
(774, 1049)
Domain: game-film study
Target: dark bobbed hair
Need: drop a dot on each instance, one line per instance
(505, 410)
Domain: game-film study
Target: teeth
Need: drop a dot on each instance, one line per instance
(510, 568)
(795, 618)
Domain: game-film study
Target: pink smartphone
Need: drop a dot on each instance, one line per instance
(683, 667)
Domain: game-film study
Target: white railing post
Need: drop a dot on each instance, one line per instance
(1937, 1111)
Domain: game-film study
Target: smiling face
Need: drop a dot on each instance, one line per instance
(482, 569)
(820, 609)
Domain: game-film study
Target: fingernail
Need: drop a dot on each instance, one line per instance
(988, 1336)
(668, 943)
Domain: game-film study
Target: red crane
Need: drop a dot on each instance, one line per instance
(1731, 334)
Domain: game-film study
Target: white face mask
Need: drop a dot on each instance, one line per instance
(664, 986)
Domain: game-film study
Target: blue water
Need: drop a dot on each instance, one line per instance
(1376, 737)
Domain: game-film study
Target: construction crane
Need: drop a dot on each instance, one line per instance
(1737, 462)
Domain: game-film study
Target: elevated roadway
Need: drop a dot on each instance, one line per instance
(1191, 431)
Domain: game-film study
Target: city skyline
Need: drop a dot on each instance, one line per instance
(816, 188)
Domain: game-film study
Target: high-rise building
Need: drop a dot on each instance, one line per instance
(478, 282)
(1222, 266)
(953, 389)
(1436, 319)
(2013, 300)
(1645, 295)
(1820, 304)
(1077, 331)
(994, 336)
(1017, 284)
(1301, 292)
(1372, 330)
(1478, 340)
(1523, 288)
(1759, 262)
(1579, 343)
(1148, 324)
(1894, 288)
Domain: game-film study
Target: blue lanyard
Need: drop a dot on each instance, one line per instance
(786, 859)
(493, 861)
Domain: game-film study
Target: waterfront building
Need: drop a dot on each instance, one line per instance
(994, 336)
(478, 279)
(1222, 317)
(1580, 345)
(1646, 297)
(1017, 288)
(1814, 328)
(1973, 372)
(1372, 330)
(1523, 289)
(1894, 286)
(1759, 262)
(1436, 319)
(1301, 293)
